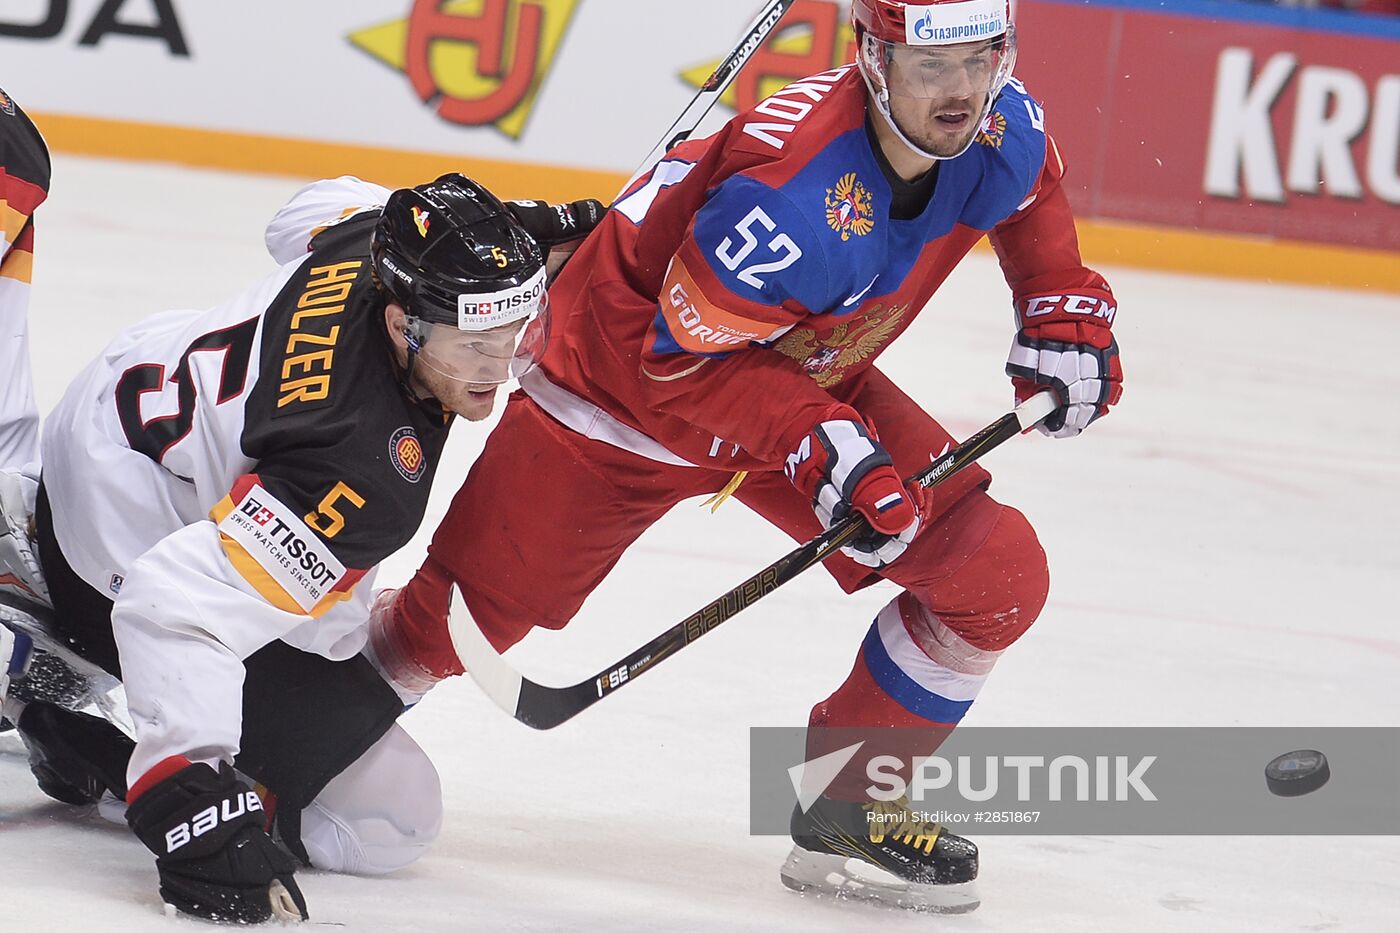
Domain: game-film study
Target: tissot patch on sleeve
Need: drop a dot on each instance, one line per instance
(275, 551)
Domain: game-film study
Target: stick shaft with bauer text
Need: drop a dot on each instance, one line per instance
(543, 707)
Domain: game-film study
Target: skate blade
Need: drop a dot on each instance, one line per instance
(836, 876)
(104, 692)
(35, 622)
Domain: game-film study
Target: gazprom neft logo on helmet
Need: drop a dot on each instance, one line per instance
(948, 23)
(485, 310)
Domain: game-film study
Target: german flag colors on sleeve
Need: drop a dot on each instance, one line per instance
(278, 554)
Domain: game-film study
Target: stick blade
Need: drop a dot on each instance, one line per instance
(492, 673)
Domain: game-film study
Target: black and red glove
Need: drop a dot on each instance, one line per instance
(841, 466)
(214, 859)
(554, 225)
(1065, 342)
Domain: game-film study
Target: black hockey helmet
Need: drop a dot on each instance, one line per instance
(469, 277)
(439, 249)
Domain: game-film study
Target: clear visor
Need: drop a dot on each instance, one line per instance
(965, 71)
(490, 357)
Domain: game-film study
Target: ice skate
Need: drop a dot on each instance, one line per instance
(880, 852)
(75, 757)
(55, 672)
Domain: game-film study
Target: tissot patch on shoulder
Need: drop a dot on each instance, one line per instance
(275, 550)
(7, 106)
(406, 453)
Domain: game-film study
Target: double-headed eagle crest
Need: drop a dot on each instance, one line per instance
(826, 358)
(849, 208)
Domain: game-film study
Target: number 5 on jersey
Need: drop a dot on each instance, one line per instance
(328, 510)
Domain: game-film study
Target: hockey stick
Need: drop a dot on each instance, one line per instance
(709, 94)
(544, 707)
(714, 86)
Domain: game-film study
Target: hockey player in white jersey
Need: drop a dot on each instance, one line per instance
(218, 488)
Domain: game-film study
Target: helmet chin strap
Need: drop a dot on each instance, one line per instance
(881, 95)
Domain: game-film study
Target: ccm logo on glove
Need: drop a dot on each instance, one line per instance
(1065, 343)
(1042, 305)
(208, 820)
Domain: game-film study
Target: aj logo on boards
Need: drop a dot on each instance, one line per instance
(476, 62)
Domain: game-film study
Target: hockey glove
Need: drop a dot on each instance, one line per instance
(841, 466)
(554, 225)
(1065, 343)
(214, 859)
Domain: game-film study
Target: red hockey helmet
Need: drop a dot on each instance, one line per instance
(938, 22)
(953, 50)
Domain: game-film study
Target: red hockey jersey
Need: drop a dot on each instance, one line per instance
(716, 314)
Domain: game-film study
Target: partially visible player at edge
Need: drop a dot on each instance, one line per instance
(24, 185)
(725, 318)
(217, 490)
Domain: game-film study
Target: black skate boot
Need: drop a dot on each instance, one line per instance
(75, 757)
(880, 852)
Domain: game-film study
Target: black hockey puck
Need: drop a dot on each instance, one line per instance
(1297, 773)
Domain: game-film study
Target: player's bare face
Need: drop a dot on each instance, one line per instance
(463, 371)
(473, 402)
(937, 93)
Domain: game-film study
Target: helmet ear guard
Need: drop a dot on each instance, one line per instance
(414, 333)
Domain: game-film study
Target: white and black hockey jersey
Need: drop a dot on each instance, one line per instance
(234, 476)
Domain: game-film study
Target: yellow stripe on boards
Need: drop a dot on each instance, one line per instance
(274, 155)
(1102, 241)
(1238, 256)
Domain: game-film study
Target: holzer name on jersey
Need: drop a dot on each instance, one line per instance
(310, 352)
(263, 534)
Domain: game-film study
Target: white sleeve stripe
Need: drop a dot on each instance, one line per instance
(918, 666)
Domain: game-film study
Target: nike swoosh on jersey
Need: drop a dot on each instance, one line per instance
(860, 294)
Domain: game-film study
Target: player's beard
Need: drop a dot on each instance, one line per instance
(473, 402)
(944, 127)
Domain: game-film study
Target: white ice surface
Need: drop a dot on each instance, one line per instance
(1224, 550)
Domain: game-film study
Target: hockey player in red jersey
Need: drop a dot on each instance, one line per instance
(722, 325)
(217, 490)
